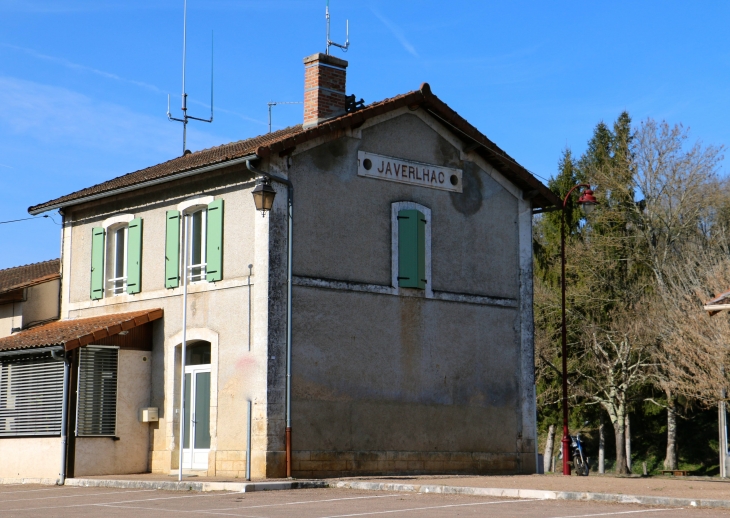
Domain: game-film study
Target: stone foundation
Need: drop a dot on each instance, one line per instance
(230, 464)
(322, 464)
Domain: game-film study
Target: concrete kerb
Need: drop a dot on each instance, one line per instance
(241, 487)
(532, 494)
(21, 481)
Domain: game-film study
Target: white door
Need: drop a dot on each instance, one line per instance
(196, 439)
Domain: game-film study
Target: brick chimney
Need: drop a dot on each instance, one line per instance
(324, 88)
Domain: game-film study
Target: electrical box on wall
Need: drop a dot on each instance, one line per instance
(148, 415)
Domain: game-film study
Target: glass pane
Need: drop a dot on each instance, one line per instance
(188, 416)
(202, 410)
(198, 354)
(119, 254)
(196, 245)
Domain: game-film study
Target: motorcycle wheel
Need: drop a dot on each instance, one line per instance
(581, 468)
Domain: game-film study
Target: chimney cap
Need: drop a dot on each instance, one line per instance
(325, 58)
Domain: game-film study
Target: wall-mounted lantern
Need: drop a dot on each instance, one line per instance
(263, 195)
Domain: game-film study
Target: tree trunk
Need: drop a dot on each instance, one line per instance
(670, 461)
(627, 433)
(548, 457)
(602, 446)
(619, 433)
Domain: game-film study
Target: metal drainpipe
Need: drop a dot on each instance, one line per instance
(289, 224)
(64, 414)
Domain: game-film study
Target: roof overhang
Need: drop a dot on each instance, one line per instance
(142, 185)
(70, 334)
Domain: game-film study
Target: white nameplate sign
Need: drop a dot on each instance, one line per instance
(407, 171)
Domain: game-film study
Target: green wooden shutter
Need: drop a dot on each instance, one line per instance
(97, 263)
(134, 256)
(411, 249)
(214, 245)
(172, 250)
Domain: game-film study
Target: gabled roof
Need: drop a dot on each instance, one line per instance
(77, 333)
(29, 275)
(284, 141)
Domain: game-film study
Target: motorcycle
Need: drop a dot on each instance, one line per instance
(580, 461)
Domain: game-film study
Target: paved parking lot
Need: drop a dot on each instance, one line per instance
(77, 502)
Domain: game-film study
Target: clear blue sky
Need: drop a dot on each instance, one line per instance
(84, 83)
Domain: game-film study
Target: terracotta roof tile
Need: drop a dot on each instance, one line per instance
(283, 140)
(28, 275)
(181, 164)
(76, 333)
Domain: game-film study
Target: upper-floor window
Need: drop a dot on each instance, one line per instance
(116, 257)
(194, 241)
(197, 226)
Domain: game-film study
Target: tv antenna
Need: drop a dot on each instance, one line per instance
(329, 41)
(274, 103)
(186, 117)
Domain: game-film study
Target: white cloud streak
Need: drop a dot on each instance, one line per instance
(108, 75)
(75, 66)
(397, 32)
(51, 117)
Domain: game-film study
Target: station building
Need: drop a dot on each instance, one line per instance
(377, 319)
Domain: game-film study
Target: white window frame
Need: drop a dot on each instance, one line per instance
(188, 208)
(203, 242)
(111, 226)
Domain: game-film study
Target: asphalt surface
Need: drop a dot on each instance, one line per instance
(78, 502)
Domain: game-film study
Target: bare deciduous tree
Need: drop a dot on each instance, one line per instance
(615, 365)
(681, 193)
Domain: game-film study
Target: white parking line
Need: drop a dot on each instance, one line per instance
(220, 512)
(110, 503)
(157, 509)
(621, 512)
(433, 507)
(309, 502)
(56, 488)
(72, 496)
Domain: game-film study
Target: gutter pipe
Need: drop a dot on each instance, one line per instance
(64, 413)
(40, 350)
(289, 224)
(142, 185)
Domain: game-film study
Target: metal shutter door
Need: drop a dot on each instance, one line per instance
(31, 397)
(97, 391)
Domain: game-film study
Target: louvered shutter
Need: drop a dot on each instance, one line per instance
(31, 397)
(97, 263)
(97, 391)
(411, 249)
(134, 256)
(214, 244)
(172, 250)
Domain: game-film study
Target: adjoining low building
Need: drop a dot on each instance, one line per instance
(63, 407)
(377, 320)
(29, 295)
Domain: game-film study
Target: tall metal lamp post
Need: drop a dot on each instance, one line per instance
(587, 201)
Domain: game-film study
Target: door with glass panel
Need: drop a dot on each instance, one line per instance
(196, 439)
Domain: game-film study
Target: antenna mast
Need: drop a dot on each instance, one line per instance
(186, 117)
(329, 41)
(274, 103)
